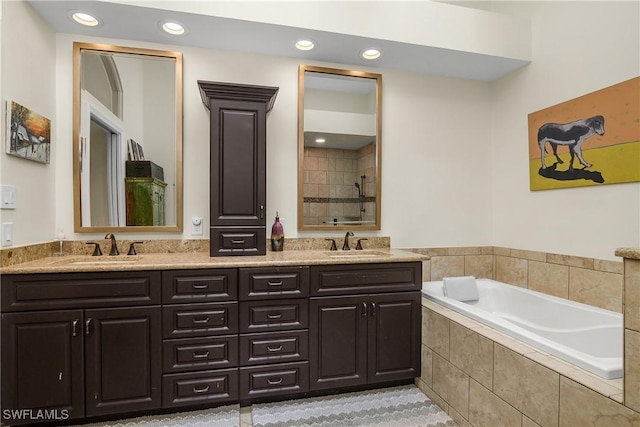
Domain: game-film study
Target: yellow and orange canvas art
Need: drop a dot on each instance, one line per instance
(587, 141)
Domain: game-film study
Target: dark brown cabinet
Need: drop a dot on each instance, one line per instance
(86, 362)
(238, 115)
(364, 338)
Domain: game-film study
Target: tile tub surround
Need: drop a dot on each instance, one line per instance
(631, 326)
(587, 280)
(21, 254)
(482, 377)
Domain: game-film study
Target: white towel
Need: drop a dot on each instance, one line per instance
(462, 288)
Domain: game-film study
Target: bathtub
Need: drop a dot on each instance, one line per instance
(586, 336)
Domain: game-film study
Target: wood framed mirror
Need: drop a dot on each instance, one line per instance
(339, 149)
(127, 133)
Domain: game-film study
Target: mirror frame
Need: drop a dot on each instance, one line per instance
(78, 47)
(378, 78)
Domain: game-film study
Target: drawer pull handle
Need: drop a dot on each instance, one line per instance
(274, 349)
(74, 327)
(274, 315)
(363, 311)
(87, 326)
(274, 381)
(280, 283)
(237, 242)
(200, 355)
(200, 286)
(201, 320)
(201, 389)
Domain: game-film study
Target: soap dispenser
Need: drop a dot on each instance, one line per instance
(277, 235)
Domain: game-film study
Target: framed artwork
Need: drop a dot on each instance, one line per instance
(587, 141)
(28, 133)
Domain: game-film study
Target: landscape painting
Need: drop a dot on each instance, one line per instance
(587, 141)
(29, 133)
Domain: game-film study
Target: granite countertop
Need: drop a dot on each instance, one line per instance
(632, 253)
(198, 260)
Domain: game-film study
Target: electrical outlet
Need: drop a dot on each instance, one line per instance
(196, 226)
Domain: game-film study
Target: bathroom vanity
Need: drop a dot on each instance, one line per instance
(162, 331)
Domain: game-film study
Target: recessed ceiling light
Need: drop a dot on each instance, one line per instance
(172, 27)
(85, 19)
(305, 44)
(371, 54)
(320, 140)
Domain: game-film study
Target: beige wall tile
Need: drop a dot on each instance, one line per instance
(488, 410)
(552, 279)
(530, 255)
(632, 369)
(435, 332)
(323, 164)
(580, 406)
(511, 270)
(472, 353)
(426, 270)
(435, 398)
(501, 251)
(465, 250)
(632, 294)
(426, 362)
(452, 384)
(528, 422)
(446, 266)
(608, 266)
(480, 266)
(458, 418)
(318, 177)
(572, 261)
(529, 387)
(596, 288)
(315, 152)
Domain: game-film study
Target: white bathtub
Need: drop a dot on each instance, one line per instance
(586, 336)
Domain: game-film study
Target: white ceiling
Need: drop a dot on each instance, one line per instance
(136, 22)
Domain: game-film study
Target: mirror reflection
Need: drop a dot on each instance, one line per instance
(339, 149)
(128, 133)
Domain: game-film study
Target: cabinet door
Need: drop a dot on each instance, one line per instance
(337, 342)
(238, 163)
(394, 336)
(123, 359)
(42, 362)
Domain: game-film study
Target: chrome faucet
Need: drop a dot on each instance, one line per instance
(346, 247)
(114, 245)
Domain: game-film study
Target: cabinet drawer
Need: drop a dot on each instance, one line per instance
(23, 292)
(199, 319)
(274, 380)
(263, 348)
(279, 315)
(273, 282)
(238, 241)
(190, 354)
(329, 280)
(199, 387)
(199, 286)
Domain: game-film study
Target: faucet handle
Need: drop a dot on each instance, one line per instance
(334, 247)
(359, 244)
(96, 250)
(132, 248)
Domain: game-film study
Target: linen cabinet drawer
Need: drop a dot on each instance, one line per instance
(190, 354)
(273, 347)
(329, 280)
(199, 319)
(199, 388)
(272, 315)
(273, 282)
(274, 380)
(193, 286)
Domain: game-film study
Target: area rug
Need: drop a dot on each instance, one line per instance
(403, 406)
(224, 416)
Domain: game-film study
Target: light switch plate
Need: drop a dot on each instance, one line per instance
(7, 234)
(7, 197)
(196, 226)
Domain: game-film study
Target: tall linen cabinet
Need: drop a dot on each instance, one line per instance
(238, 115)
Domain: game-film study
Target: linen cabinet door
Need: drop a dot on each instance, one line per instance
(337, 342)
(394, 336)
(123, 360)
(42, 363)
